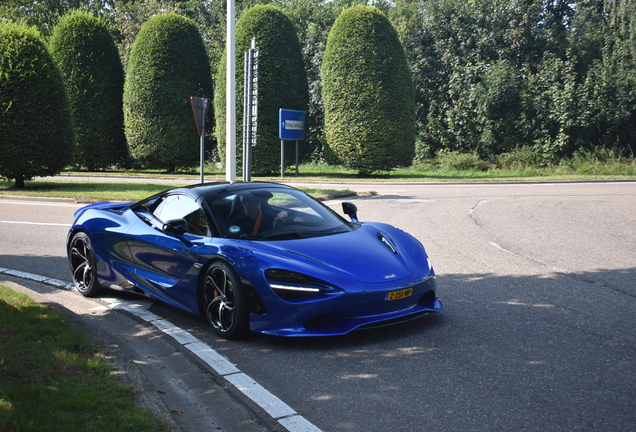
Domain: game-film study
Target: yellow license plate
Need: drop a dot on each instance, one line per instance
(396, 295)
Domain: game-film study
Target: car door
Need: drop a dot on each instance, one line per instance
(166, 261)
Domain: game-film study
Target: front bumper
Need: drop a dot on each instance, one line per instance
(341, 315)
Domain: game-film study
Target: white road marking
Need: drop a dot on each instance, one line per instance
(279, 410)
(38, 278)
(253, 390)
(215, 360)
(36, 223)
(298, 424)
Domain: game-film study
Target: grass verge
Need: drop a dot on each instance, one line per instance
(447, 166)
(53, 379)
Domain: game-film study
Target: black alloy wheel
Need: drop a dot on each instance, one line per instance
(224, 301)
(82, 261)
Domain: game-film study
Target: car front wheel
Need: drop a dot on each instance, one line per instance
(82, 261)
(225, 305)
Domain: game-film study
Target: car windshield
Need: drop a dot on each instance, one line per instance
(274, 214)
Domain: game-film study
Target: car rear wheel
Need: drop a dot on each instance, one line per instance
(82, 261)
(225, 304)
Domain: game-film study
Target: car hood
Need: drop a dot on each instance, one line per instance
(368, 254)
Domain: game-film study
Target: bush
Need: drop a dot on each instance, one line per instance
(368, 93)
(89, 62)
(601, 161)
(36, 126)
(282, 83)
(519, 158)
(168, 64)
(455, 161)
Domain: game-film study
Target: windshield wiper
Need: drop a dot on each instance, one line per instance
(144, 217)
(249, 237)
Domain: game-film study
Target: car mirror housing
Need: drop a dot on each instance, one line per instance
(176, 226)
(351, 210)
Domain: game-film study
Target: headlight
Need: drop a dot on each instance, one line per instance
(297, 287)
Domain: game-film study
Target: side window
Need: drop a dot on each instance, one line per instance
(181, 206)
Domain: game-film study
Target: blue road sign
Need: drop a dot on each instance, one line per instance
(291, 124)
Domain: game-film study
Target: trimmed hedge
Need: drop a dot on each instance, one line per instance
(168, 64)
(282, 83)
(36, 126)
(89, 61)
(368, 93)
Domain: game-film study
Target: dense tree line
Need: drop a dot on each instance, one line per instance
(490, 76)
(554, 76)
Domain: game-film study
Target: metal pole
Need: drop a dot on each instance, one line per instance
(246, 112)
(253, 105)
(296, 157)
(230, 95)
(248, 161)
(282, 158)
(247, 169)
(202, 155)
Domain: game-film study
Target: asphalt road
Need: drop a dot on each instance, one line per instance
(538, 330)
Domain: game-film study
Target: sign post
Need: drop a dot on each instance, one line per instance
(250, 108)
(200, 109)
(230, 93)
(291, 127)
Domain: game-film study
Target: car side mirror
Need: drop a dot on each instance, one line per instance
(176, 226)
(351, 210)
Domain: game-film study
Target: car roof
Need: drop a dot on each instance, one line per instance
(209, 190)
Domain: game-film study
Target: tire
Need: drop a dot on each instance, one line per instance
(82, 261)
(224, 301)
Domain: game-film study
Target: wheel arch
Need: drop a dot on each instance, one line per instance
(255, 303)
(74, 230)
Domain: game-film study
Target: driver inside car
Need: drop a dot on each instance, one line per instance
(254, 219)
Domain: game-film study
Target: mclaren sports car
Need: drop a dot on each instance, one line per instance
(254, 257)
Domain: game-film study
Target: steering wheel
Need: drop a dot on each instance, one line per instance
(278, 223)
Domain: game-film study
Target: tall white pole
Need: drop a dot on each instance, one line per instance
(230, 96)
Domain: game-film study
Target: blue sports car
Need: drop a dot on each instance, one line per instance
(259, 257)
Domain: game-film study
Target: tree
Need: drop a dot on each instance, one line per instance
(88, 59)
(368, 93)
(36, 126)
(168, 64)
(619, 67)
(45, 14)
(282, 82)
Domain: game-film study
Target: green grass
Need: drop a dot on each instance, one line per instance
(93, 191)
(53, 379)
